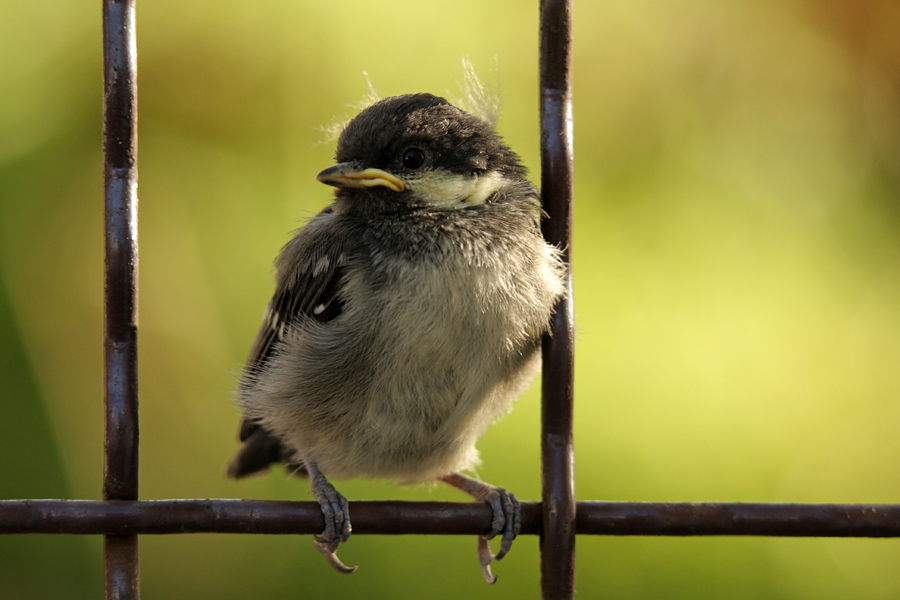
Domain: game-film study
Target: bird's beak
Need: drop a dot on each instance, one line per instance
(348, 175)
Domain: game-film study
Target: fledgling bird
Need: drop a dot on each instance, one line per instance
(407, 315)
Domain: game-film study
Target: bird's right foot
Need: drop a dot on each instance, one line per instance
(337, 519)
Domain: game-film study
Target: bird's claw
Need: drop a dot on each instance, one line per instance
(336, 514)
(507, 521)
(507, 518)
(337, 522)
(484, 559)
(328, 551)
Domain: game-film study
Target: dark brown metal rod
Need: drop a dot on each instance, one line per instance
(557, 448)
(120, 171)
(120, 469)
(127, 519)
(741, 518)
(247, 516)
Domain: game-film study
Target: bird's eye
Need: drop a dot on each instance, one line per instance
(413, 158)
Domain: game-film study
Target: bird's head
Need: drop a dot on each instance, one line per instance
(422, 150)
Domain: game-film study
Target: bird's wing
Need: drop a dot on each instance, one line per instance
(309, 282)
(311, 291)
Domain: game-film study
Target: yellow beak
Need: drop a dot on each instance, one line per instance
(346, 175)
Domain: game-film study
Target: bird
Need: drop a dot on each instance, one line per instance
(407, 315)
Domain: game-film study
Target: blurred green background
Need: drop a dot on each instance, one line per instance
(737, 277)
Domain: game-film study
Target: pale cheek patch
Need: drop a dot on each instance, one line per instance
(448, 190)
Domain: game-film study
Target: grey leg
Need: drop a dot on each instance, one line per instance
(337, 517)
(507, 517)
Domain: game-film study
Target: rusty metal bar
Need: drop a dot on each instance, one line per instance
(248, 516)
(557, 448)
(741, 518)
(92, 517)
(122, 570)
(120, 469)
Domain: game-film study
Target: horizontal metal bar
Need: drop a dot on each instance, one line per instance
(740, 518)
(446, 518)
(246, 516)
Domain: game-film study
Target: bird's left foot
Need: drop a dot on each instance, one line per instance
(507, 518)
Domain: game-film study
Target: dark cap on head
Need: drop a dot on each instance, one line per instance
(452, 139)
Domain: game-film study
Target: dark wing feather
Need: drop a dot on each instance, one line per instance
(311, 295)
(308, 288)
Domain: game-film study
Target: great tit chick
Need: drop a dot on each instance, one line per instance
(407, 315)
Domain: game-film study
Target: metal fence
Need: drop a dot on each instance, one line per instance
(557, 518)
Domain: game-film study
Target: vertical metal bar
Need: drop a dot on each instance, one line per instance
(558, 490)
(120, 472)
